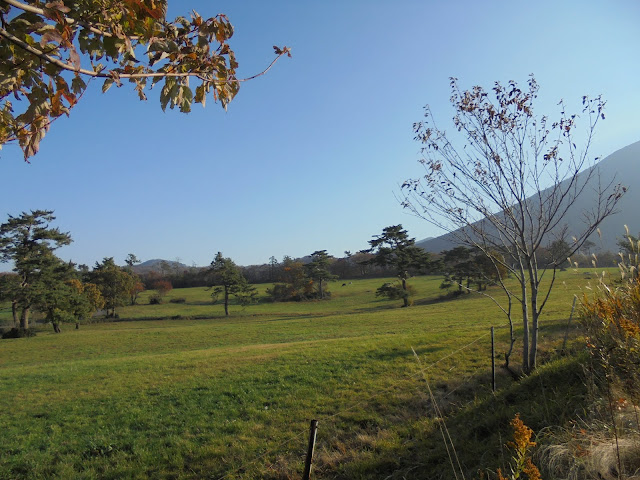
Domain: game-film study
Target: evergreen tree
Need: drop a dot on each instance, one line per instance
(29, 242)
(318, 270)
(54, 296)
(228, 280)
(395, 249)
(458, 266)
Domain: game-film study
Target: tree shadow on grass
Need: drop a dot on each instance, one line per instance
(394, 353)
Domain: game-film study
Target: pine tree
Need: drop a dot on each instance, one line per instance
(395, 249)
(318, 270)
(228, 280)
(29, 242)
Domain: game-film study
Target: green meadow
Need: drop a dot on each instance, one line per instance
(178, 390)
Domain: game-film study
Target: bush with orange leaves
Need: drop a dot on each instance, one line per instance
(522, 466)
(612, 323)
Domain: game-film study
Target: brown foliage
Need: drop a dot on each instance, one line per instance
(162, 287)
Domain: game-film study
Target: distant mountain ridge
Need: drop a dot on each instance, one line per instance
(622, 166)
(158, 265)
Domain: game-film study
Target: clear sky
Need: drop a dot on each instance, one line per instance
(309, 156)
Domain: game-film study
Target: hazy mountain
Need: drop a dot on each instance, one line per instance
(622, 166)
(158, 265)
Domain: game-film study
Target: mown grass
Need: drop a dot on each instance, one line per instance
(208, 396)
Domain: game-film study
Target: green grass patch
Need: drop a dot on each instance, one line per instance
(200, 395)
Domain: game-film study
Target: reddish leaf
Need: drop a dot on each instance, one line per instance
(74, 58)
(51, 36)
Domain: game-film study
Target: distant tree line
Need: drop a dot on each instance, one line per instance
(63, 292)
(350, 267)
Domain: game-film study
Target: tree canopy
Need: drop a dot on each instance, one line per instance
(114, 282)
(51, 51)
(463, 267)
(292, 282)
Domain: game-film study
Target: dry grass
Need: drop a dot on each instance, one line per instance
(591, 451)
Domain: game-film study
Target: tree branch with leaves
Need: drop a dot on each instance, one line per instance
(49, 53)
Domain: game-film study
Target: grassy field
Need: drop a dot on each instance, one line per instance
(180, 391)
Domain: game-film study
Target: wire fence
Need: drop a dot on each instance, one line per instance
(324, 420)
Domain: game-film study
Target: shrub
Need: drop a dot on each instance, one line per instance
(19, 333)
(394, 291)
(286, 292)
(155, 299)
(612, 323)
(162, 287)
(521, 463)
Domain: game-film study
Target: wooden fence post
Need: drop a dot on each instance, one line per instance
(493, 363)
(312, 443)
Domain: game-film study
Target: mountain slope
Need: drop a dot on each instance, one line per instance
(622, 166)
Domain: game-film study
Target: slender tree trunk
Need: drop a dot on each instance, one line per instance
(533, 353)
(226, 301)
(535, 314)
(525, 325)
(24, 318)
(535, 311)
(405, 297)
(14, 312)
(320, 288)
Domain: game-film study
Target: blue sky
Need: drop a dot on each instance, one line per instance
(309, 156)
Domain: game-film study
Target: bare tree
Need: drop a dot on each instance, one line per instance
(505, 181)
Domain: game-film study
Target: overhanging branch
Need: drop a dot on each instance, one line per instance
(70, 21)
(100, 74)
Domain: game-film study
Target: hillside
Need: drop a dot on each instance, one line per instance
(158, 265)
(619, 167)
